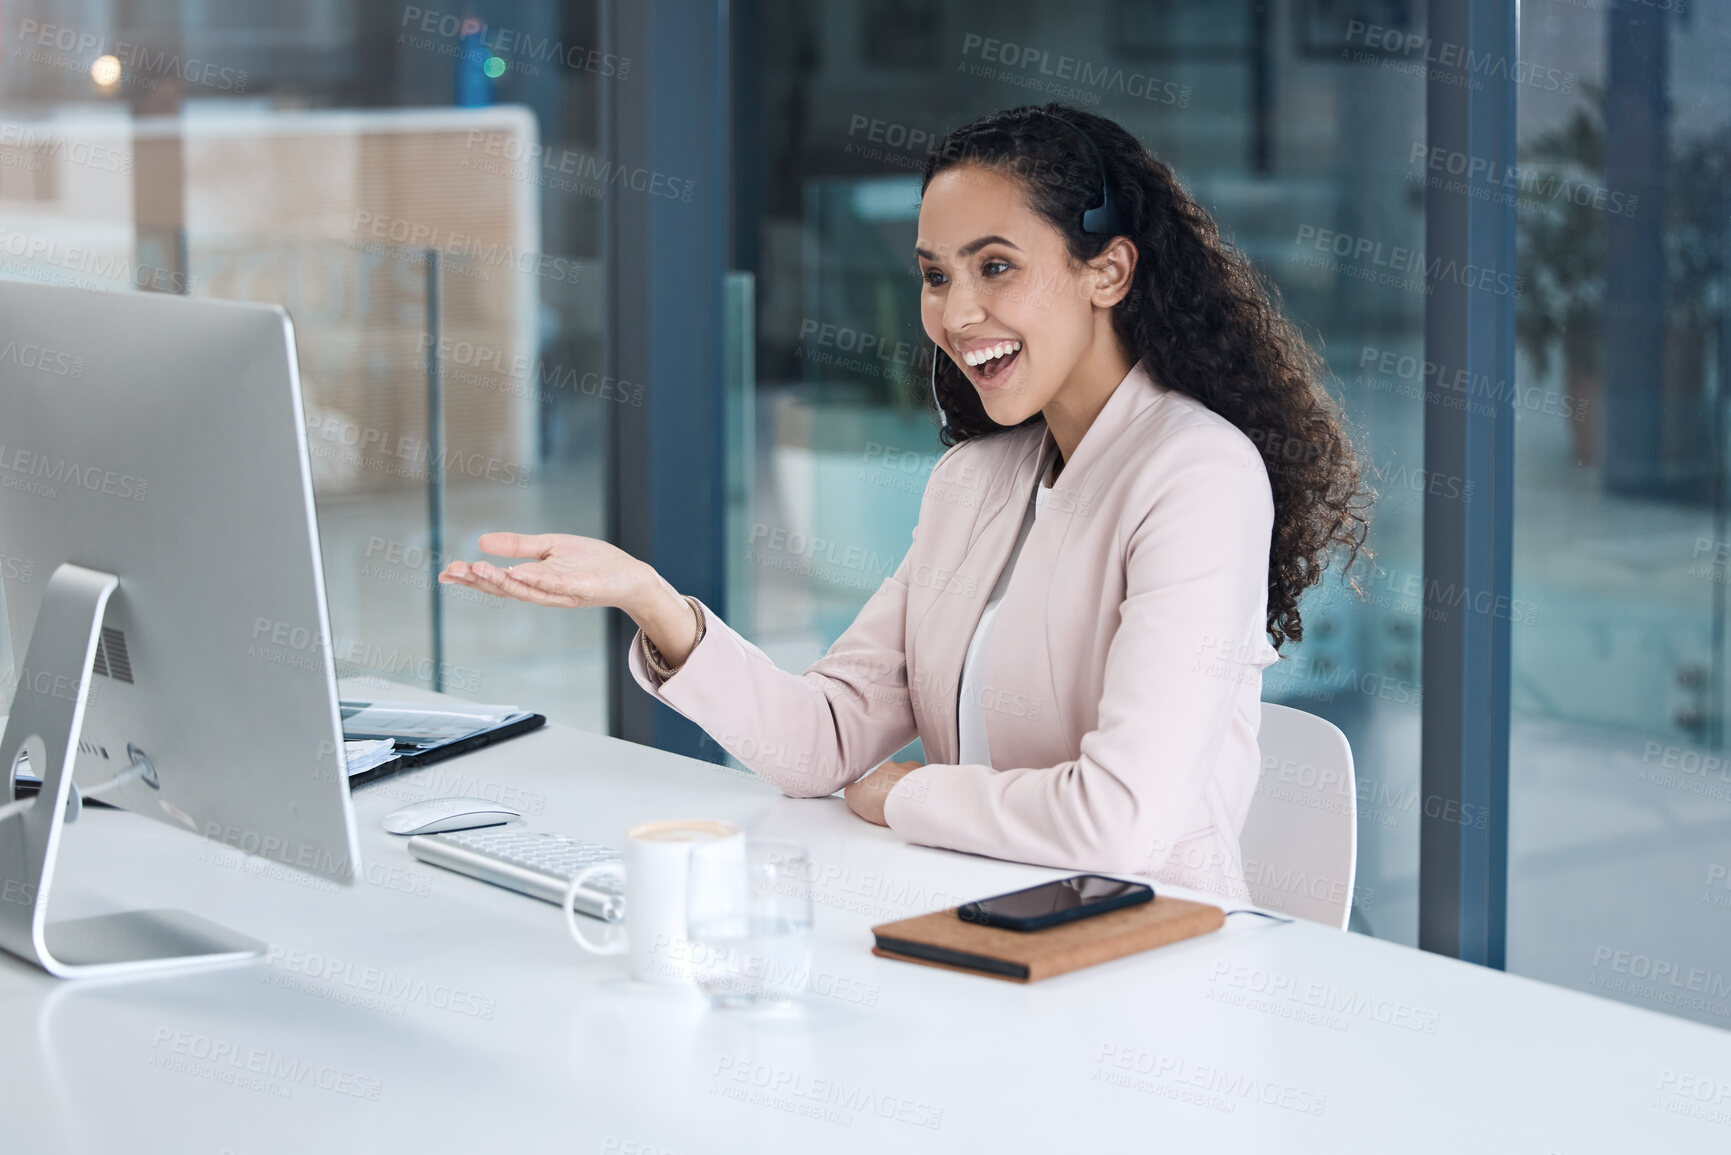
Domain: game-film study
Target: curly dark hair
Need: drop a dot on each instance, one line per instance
(1199, 317)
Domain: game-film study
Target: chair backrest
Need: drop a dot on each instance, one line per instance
(1300, 839)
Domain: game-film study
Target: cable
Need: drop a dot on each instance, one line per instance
(131, 774)
(1259, 914)
(75, 799)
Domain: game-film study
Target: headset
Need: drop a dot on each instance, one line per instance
(1101, 220)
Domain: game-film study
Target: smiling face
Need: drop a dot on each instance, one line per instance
(1024, 321)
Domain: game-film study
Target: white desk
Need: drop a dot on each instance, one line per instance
(422, 1011)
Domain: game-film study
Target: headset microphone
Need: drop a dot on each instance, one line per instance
(943, 418)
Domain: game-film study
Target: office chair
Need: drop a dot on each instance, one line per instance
(1300, 839)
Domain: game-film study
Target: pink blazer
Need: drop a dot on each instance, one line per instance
(1123, 673)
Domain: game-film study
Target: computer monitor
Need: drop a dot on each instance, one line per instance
(170, 638)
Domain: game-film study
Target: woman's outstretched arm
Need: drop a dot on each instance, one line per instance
(810, 734)
(572, 572)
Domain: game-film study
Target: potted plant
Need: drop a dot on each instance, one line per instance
(1562, 253)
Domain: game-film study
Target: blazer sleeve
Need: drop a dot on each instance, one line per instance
(813, 733)
(1190, 636)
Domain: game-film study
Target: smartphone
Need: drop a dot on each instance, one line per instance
(1052, 903)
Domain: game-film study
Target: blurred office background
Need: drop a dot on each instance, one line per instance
(449, 198)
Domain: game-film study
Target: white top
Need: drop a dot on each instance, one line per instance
(973, 704)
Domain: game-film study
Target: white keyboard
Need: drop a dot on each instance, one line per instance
(532, 862)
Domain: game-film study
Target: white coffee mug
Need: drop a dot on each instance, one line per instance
(656, 858)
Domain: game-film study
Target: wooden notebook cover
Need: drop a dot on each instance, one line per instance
(1056, 949)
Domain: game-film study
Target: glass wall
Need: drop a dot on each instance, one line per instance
(1620, 776)
(1295, 130)
(422, 187)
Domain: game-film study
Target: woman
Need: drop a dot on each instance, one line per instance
(1144, 474)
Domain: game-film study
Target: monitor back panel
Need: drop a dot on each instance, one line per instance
(162, 439)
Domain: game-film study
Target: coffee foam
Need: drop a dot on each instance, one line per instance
(682, 830)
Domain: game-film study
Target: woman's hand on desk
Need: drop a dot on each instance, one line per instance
(866, 796)
(572, 572)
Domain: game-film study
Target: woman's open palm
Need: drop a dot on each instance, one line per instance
(565, 570)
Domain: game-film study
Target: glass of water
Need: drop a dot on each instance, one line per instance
(748, 920)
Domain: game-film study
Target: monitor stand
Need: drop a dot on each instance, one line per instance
(47, 717)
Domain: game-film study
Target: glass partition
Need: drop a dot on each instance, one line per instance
(1620, 776)
(423, 191)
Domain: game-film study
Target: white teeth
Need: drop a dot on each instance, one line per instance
(991, 352)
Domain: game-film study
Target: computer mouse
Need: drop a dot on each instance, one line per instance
(437, 815)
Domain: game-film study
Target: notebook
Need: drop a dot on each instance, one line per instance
(382, 738)
(942, 939)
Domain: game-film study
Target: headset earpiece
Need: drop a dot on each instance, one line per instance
(1102, 220)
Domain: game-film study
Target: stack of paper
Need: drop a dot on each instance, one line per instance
(367, 753)
(418, 724)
